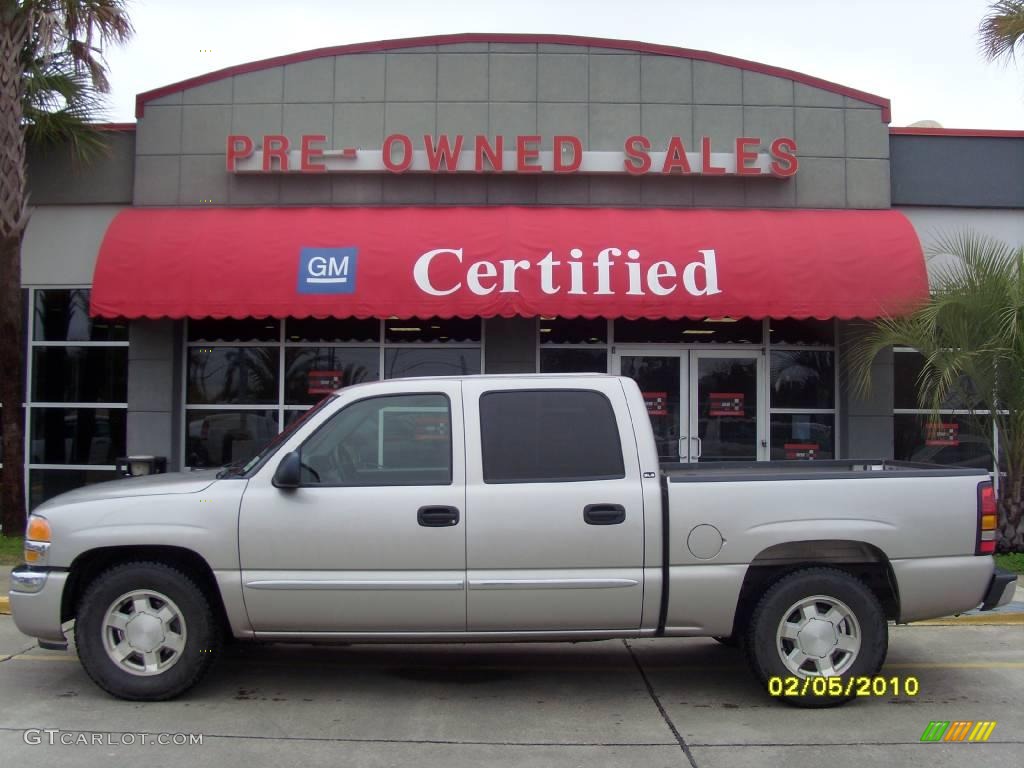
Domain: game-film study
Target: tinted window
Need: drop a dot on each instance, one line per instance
(398, 440)
(549, 435)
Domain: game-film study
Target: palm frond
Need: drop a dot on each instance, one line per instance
(1002, 30)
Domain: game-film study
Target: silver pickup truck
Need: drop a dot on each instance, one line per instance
(500, 508)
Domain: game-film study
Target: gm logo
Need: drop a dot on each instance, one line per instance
(327, 270)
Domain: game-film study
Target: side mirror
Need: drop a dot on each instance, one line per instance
(289, 471)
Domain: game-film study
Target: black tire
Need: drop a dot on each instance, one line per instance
(766, 658)
(202, 631)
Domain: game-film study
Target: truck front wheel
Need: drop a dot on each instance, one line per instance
(145, 632)
(817, 623)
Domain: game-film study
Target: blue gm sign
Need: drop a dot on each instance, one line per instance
(327, 270)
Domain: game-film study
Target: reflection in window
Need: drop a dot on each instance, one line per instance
(215, 438)
(577, 330)
(907, 367)
(952, 440)
(63, 315)
(802, 379)
(312, 372)
(724, 330)
(80, 374)
(77, 435)
(573, 360)
(803, 436)
(430, 361)
(232, 330)
(219, 375)
(432, 329)
(398, 440)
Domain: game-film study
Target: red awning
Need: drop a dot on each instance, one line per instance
(406, 262)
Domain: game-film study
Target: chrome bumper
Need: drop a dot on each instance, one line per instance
(35, 602)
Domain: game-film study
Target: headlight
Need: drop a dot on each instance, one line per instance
(37, 540)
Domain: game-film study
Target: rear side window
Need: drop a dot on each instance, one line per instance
(549, 436)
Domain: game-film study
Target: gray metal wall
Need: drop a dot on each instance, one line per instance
(958, 171)
(600, 95)
(57, 177)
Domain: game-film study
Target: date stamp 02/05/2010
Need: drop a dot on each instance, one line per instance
(844, 687)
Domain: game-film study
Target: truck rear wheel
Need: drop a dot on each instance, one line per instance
(817, 623)
(145, 632)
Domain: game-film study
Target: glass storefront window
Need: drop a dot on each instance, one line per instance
(80, 374)
(232, 330)
(332, 330)
(807, 436)
(817, 333)
(432, 329)
(236, 375)
(707, 331)
(44, 484)
(577, 330)
(217, 437)
(802, 379)
(573, 360)
(430, 361)
(953, 440)
(77, 435)
(312, 372)
(907, 366)
(61, 314)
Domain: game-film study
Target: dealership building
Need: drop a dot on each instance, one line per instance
(715, 228)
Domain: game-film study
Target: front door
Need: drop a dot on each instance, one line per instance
(374, 540)
(725, 410)
(704, 405)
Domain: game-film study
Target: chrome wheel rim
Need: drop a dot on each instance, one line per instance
(144, 632)
(818, 636)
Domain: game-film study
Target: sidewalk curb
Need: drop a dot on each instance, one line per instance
(5, 605)
(972, 619)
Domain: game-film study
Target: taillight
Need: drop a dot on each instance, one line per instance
(988, 519)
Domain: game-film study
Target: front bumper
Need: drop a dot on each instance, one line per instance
(1000, 589)
(35, 602)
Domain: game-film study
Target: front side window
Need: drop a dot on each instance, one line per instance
(390, 440)
(549, 436)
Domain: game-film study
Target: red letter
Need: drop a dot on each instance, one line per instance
(675, 157)
(743, 155)
(406, 161)
(493, 154)
(636, 149)
(309, 154)
(238, 147)
(705, 159)
(784, 152)
(527, 154)
(444, 152)
(275, 146)
(558, 144)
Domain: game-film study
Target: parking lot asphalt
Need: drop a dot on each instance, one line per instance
(643, 703)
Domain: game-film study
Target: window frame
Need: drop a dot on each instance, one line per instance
(540, 390)
(30, 404)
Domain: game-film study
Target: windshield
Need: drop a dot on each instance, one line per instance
(244, 467)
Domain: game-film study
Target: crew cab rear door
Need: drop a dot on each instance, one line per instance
(555, 518)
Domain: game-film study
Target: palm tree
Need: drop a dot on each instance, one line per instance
(971, 336)
(1002, 30)
(52, 73)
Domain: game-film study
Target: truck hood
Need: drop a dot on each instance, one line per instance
(147, 485)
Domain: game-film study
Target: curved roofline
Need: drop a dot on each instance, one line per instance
(487, 37)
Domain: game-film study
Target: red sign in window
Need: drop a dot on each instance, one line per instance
(801, 450)
(325, 382)
(942, 434)
(726, 404)
(657, 403)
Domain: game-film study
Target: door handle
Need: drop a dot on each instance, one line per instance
(604, 514)
(437, 517)
(700, 447)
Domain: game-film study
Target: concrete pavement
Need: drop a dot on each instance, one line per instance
(649, 703)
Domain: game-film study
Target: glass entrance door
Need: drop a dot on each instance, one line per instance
(725, 407)
(662, 378)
